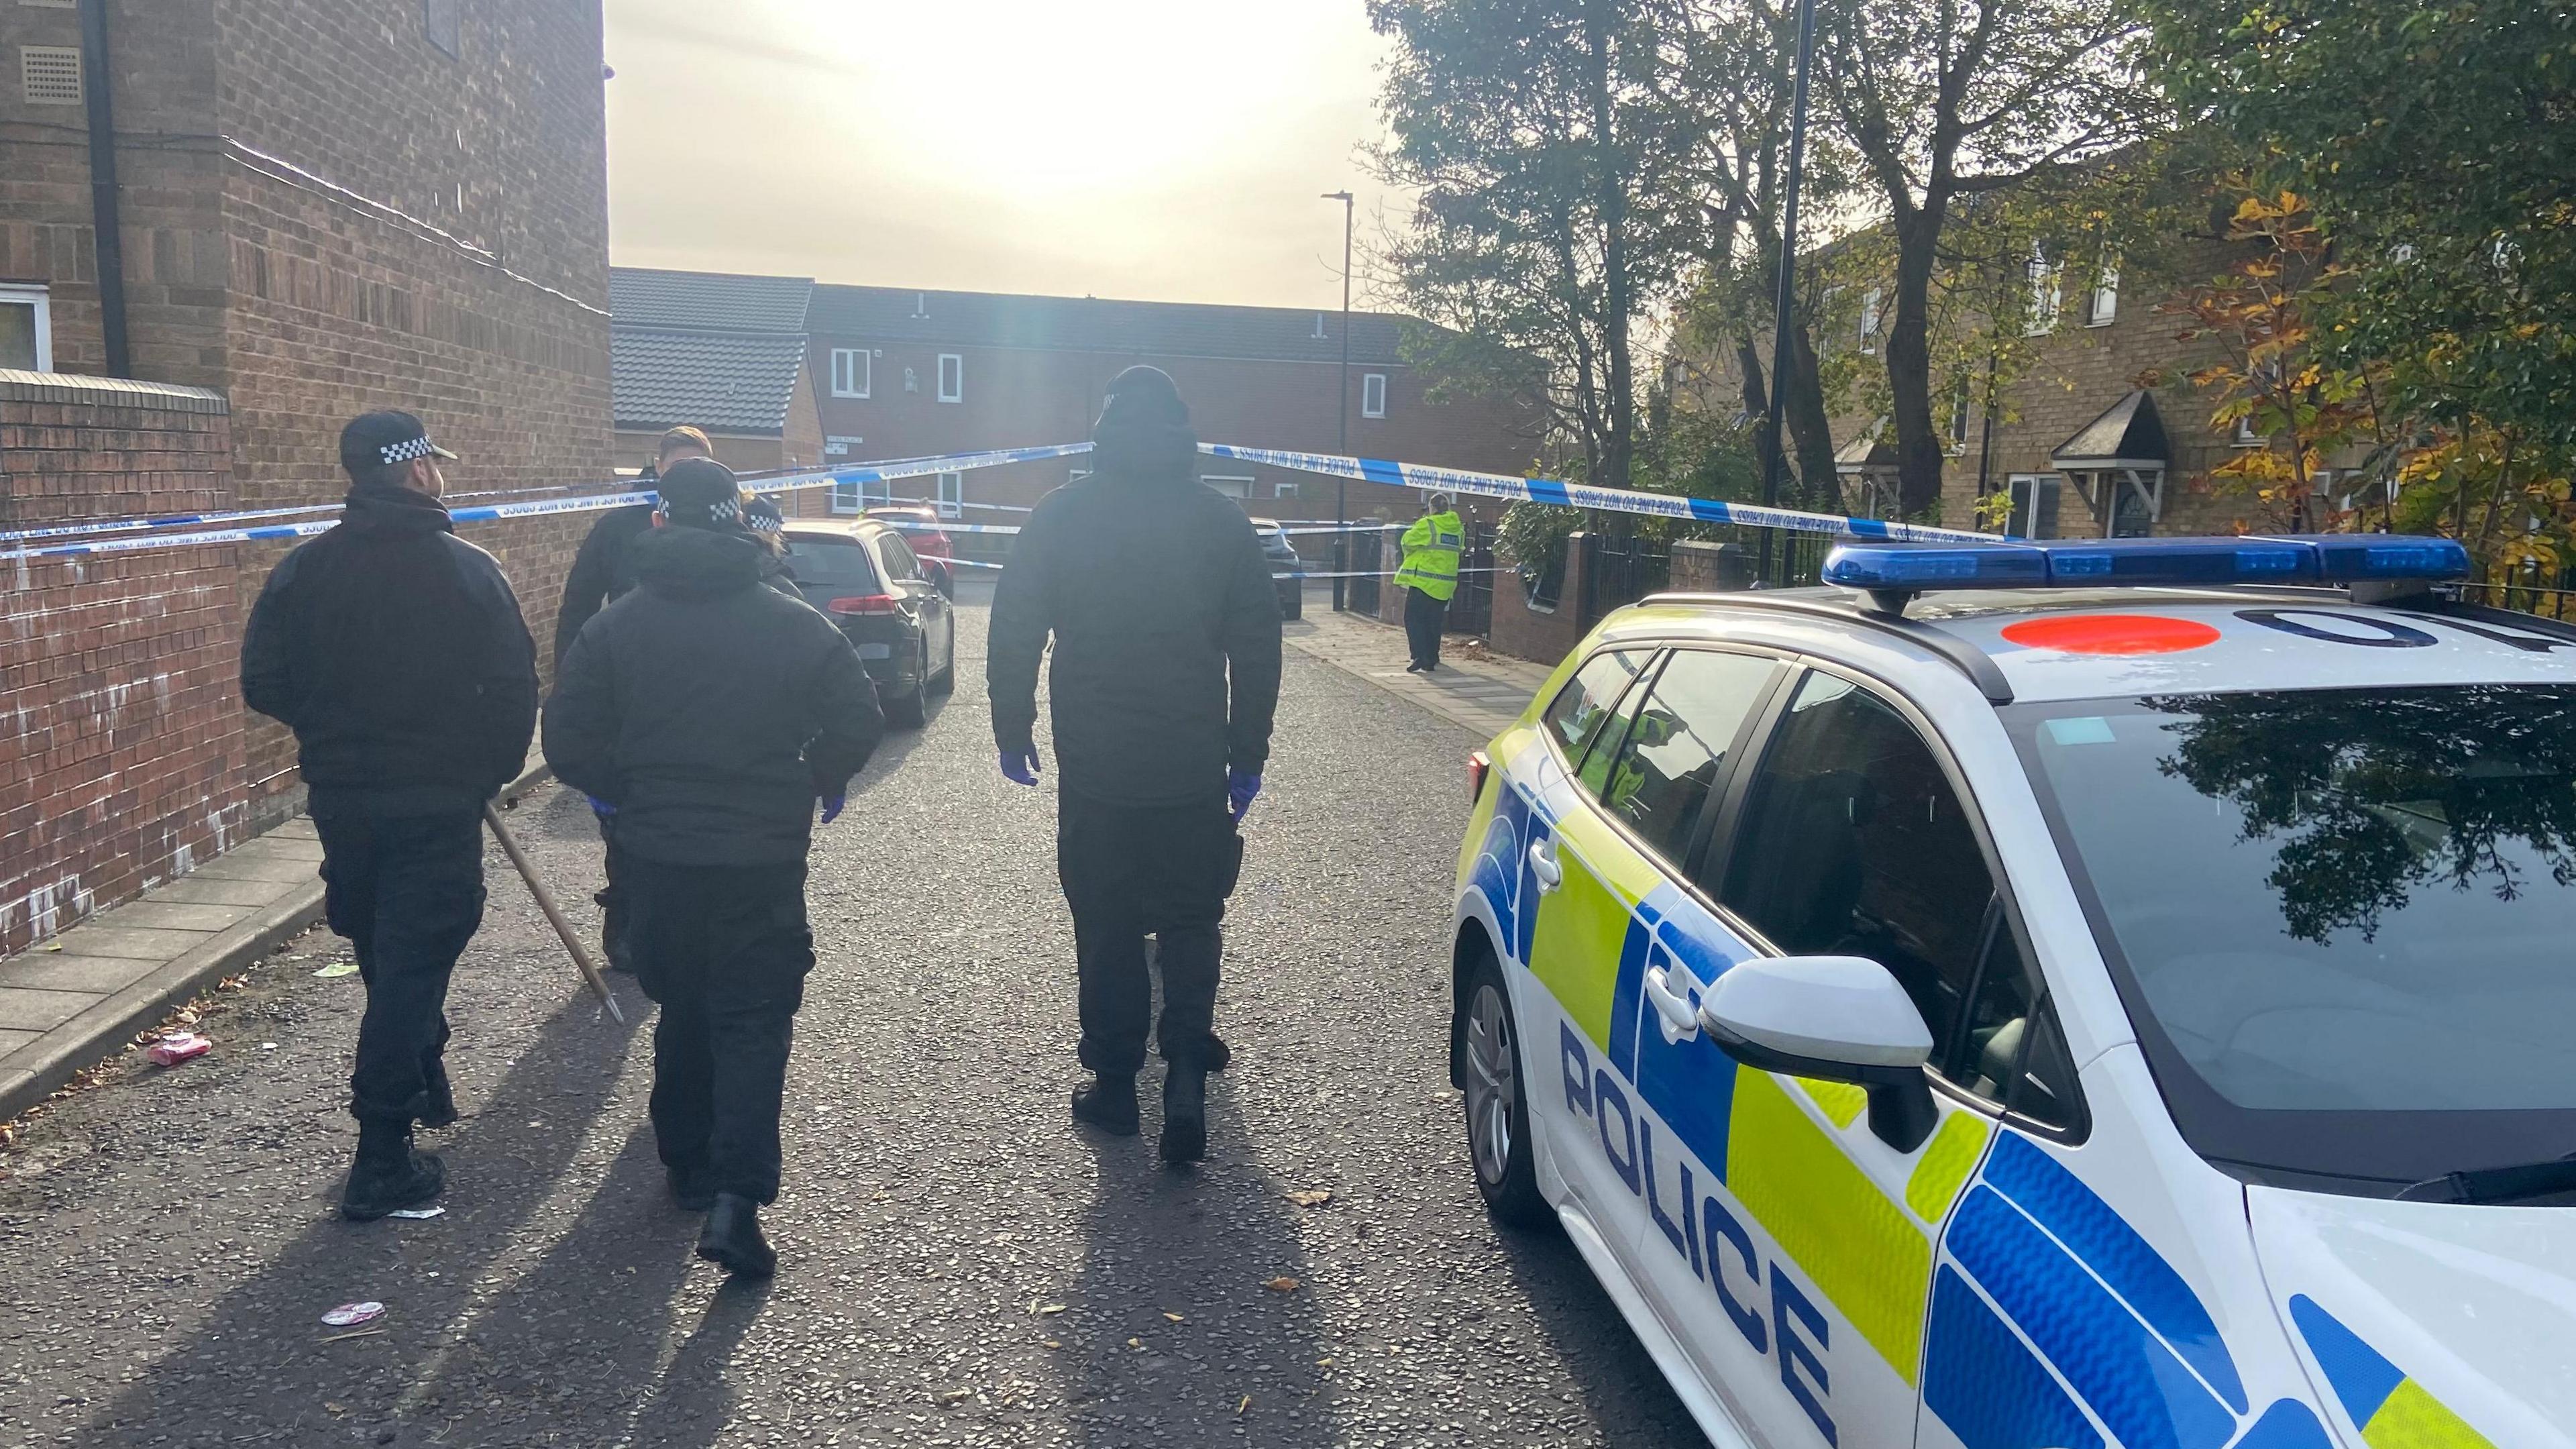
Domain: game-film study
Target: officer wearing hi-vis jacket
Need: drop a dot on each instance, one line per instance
(1431, 549)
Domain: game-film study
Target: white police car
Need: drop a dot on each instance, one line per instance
(2051, 996)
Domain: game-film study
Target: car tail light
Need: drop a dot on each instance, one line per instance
(1478, 766)
(864, 604)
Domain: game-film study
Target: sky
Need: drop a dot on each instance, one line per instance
(1171, 150)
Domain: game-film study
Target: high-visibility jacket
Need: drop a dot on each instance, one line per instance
(1431, 549)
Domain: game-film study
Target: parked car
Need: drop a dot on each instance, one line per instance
(1287, 570)
(2105, 993)
(868, 579)
(921, 527)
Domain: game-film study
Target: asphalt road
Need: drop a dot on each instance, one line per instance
(961, 1265)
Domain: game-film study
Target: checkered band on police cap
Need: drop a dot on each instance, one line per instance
(404, 452)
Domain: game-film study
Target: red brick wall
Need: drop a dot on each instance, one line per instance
(1016, 398)
(121, 745)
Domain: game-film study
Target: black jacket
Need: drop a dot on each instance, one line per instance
(603, 571)
(396, 652)
(710, 708)
(1158, 597)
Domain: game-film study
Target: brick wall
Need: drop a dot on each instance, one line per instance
(121, 745)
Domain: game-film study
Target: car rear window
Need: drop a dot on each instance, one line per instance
(831, 563)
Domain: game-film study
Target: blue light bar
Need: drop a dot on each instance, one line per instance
(2142, 562)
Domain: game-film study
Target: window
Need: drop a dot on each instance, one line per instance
(1373, 395)
(899, 562)
(860, 496)
(2102, 308)
(50, 74)
(1230, 487)
(952, 495)
(1582, 710)
(2047, 294)
(2245, 436)
(952, 377)
(26, 329)
(850, 372)
(2034, 505)
(442, 22)
(1286, 489)
(1869, 304)
(1959, 418)
(1679, 742)
(831, 563)
(1853, 844)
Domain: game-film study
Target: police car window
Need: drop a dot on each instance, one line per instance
(1582, 711)
(1852, 843)
(2009, 1051)
(1677, 744)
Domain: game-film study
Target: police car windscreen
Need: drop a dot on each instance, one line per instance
(828, 564)
(2339, 901)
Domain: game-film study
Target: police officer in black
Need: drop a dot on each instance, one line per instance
(708, 712)
(396, 652)
(1166, 629)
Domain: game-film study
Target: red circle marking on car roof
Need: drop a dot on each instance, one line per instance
(2112, 634)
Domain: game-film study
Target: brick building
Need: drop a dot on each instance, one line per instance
(320, 207)
(906, 373)
(722, 353)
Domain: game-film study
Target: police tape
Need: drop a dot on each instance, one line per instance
(1584, 495)
(859, 476)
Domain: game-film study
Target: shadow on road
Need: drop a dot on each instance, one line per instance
(257, 1369)
(1627, 1396)
(1198, 1243)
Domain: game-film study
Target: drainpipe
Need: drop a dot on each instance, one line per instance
(104, 221)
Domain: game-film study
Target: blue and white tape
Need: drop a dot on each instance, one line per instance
(1584, 495)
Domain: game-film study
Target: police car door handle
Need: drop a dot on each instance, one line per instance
(1680, 1020)
(1542, 859)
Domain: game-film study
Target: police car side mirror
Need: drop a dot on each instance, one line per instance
(1833, 1019)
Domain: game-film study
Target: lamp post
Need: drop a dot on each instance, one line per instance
(1341, 485)
(1774, 463)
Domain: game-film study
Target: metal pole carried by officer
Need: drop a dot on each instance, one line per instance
(1431, 550)
(396, 652)
(706, 712)
(1166, 629)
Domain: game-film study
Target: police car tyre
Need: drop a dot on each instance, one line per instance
(1498, 1127)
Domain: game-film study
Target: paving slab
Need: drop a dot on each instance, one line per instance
(10, 1041)
(201, 889)
(132, 942)
(271, 868)
(27, 1009)
(1484, 694)
(159, 912)
(69, 971)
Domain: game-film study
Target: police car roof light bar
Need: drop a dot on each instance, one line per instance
(1893, 573)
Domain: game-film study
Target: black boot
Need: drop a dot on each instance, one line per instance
(441, 1110)
(388, 1176)
(1216, 1054)
(732, 1237)
(1107, 1102)
(690, 1190)
(1184, 1113)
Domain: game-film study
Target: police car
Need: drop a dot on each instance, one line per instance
(2051, 996)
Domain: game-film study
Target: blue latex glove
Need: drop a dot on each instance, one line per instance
(832, 807)
(599, 807)
(1020, 767)
(1241, 786)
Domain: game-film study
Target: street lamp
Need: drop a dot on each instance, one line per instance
(1341, 485)
(1775, 463)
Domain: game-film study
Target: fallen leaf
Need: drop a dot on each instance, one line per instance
(1049, 1310)
(1310, 1196)
(335, 1408)
(1281, 1284)
(953, 1396)
(1052, 1343)
(1176, 1318)
(1243, 1408)
(1135, 1343)
(1323, 1363)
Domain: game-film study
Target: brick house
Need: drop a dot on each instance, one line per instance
(320, 207)
(722, 353)
(906, 373)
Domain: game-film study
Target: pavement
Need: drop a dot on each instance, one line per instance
(961, 1265)
(1480, 692)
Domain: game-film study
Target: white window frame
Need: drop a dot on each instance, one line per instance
(2030, 485)
(1285, 488)
(2102, 304)
(860, 496)
(949, 394)
(951, 493)
(856, 379)
(2047, 294)
(1870, 303)
(1961, 402)
(1237, 486)
(2246, 437)
(23, 293)
(1373, 382)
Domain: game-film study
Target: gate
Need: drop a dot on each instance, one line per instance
(1620, 571)
(1472, 611)
(1362, 595)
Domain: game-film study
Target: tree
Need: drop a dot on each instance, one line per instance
(1552, 213)
(1946, 99)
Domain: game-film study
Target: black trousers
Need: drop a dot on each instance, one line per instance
(407, 890)
(725, 950)
(1135, 870)
(1423, 618)
(614, 912)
